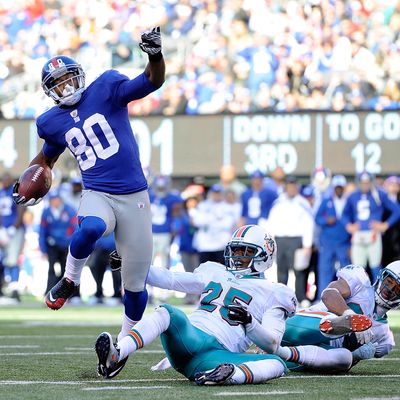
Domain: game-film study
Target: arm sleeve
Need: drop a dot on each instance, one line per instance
(268, 335)
(50, 149)
(355, 276)
(186, 282)
(129, 90)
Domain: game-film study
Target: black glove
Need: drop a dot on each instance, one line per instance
(238, 313)
(115, 261)
(21, 200)
(151, 43)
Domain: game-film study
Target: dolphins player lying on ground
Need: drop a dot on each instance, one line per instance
(237, 308)
(351, 293)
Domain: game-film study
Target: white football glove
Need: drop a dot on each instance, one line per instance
(151, 41)
(365, 336)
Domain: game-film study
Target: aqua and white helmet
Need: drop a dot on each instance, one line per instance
(263, 252)
(387, 286)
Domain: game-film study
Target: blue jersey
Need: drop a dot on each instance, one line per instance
(8, 209)
(98, 133)
(184, 229)
(363, 208)
(330, 234)
(162, 211)
(56, 230)
(256, 205)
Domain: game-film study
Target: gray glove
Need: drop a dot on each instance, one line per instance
(151, 42)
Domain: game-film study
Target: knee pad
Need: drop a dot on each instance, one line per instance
(84, 239)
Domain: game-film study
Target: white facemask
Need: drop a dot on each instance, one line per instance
(70, 95)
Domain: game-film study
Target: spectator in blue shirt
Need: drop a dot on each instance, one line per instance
(334, 240)
(363, 219)
(164, 203)
(184, 230)
(256, 200)
(57, 225)
(11, 220)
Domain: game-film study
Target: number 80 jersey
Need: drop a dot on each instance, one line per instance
(98, 133)
(222, 288)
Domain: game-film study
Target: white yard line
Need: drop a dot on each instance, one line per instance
(73, 353)
(46, 353)
(272, 392)
(126, 388)
(92, 382)
(295, 376)
(43, 336)
(153, 380)
(18, 346)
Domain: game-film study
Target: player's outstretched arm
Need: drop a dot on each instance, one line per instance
(334, 296)
(151, 44)
(185, 282)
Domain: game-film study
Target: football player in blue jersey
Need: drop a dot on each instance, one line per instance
(93, 123)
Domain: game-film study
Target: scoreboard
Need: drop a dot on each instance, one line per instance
(184, 146)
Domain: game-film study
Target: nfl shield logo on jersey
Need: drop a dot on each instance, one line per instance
(74, 115)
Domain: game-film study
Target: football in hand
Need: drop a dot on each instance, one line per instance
(35, 182)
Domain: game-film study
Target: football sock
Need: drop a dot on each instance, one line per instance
(144, 332)
(73, 268)
(257, 371)
(316, 357)
(127, 325)
(82, 244)
(135, 303)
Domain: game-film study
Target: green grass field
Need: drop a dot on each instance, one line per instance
(49, 355)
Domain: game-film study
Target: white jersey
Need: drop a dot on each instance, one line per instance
(266, 301)
(362, 301)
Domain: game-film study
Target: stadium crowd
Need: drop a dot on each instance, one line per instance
(233, 56)
(313, 223)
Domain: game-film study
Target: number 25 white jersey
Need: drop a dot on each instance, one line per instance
(263, 299)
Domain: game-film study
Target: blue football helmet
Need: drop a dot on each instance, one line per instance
(66, 91)
(256, 245)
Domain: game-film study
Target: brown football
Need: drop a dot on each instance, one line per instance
(35, 182)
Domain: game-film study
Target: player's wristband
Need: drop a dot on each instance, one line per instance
(155, 57)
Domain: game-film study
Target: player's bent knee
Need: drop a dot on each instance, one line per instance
(93, 227)
(163, 317)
